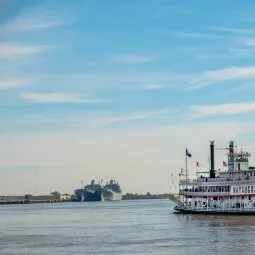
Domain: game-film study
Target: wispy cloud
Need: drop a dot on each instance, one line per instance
(236, 30)
(156, 86)
(231, 53)
(121, 81)
(152, 81)
(148, 86)
(130, 59)
(232, 73)
(35, 20)
(249, 42)
(243, 36)
(59, 98)
(226, 74)
(14, 83)
(16, 50)
(213, 56)
(199, 111)
(208, 34)
(196, 35)
(29, 25)
(133, 116)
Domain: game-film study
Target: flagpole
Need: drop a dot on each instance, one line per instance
(186, 173)
(186, 161)
(186, 166)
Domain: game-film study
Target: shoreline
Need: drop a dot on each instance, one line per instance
(49, 199)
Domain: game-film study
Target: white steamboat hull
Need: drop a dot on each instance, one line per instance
(237, 211)
(109, 195)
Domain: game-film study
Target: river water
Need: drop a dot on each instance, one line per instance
(121, 227)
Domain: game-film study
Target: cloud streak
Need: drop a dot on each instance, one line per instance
(15, 50)
(35, 20)
(156, 86)
(236, 30)
(138, 115)
(198, 111)
(120, 82)
(58, 98)
(226, 74)
(250, 42)
(130, 59)
(153, 81)
(196, 35)
(31, 24)
(14, 84)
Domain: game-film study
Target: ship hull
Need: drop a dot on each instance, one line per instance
(230, 211)
(90, 197)
(78, 195)
(109, 195)
(85, 196)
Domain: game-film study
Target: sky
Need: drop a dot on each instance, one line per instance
(117, 89)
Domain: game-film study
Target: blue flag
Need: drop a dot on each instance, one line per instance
(188, 154)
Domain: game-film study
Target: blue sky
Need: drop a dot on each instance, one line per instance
(126, 66)
(81, 57)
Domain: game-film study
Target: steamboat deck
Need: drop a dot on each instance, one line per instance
(223, 192)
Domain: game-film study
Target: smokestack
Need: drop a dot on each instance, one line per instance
(231, 158)
(212, 170)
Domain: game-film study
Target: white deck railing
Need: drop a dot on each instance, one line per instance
(216, 182)
(200, 194)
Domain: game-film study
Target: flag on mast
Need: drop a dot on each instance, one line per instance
(225, 164)
(188, 154)
(198, 165)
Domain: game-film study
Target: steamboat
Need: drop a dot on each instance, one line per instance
(219, 192)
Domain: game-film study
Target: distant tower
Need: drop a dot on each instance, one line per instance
(81, 184)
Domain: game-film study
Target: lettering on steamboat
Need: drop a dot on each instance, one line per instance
(242, 190)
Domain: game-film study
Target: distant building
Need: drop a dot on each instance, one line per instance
(65, 197)
(42, 198)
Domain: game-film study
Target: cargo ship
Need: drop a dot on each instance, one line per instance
(97, 192)
(90, 192)
(111, 191)
(231, 191)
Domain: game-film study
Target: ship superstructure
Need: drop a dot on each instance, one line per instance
(112, 191)
(216, 192)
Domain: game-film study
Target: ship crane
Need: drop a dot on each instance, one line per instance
(221, 149)
(241, 151)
